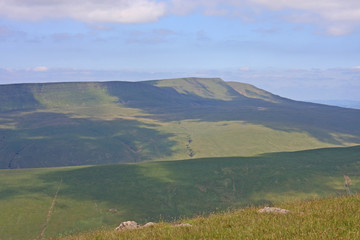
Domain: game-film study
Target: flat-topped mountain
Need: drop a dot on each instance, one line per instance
(66, 124)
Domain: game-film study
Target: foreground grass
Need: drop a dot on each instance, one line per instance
(332, 218)
(95, 196)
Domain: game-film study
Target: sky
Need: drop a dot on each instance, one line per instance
(301, 49)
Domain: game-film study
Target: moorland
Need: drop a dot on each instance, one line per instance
(161, 150)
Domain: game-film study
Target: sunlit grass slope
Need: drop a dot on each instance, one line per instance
(332, 218)
(70, 124)
(214, 88)
(95, 196)
(251, 91)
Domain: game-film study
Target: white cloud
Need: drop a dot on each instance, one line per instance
(339, 29)
(208, 7)
(338, 17)
(40, 69)
(244, 69)
(333, 10)
(121, 11)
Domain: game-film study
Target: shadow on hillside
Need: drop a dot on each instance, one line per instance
(53, 139)
(166, 190)
(17, 97)
(319, 121)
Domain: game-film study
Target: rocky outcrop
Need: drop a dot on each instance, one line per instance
(127, 225)
(273, 210)
(132, 225)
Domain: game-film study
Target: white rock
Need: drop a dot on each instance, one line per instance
(127, 225)
(273, 210)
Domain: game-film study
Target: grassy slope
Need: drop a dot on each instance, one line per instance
(165, 190)
(251, 91)
(333, 218)
(213, 88)
(45, 125)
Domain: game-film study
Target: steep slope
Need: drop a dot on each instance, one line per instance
(95, 196)
(67, 124)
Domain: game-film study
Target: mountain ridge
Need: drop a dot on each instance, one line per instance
(81, 123)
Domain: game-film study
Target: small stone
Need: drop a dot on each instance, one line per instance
(273, 210)
(127, 225)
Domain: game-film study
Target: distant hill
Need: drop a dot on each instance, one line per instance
(69, 124)
(340, 103)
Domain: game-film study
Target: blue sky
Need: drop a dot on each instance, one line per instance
(301, 49)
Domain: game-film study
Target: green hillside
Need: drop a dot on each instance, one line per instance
(71, 124)
(332, 218)
(94, 196)
(213, 88)
(251, 91)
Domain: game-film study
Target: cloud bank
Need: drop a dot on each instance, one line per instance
(337, 17)
(121, 11)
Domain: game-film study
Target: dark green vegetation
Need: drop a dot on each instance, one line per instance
(95, 196)
(69, 124)
(334, 218)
